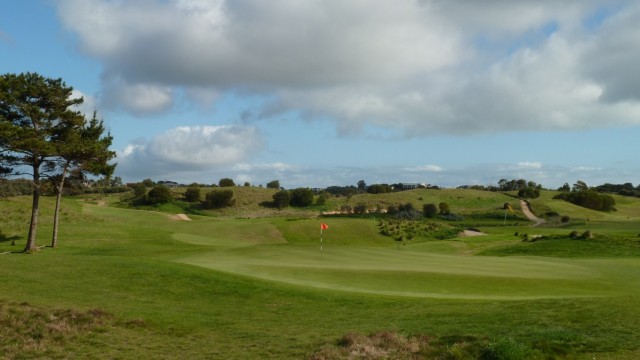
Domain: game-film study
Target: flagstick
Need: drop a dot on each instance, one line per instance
(320, 239)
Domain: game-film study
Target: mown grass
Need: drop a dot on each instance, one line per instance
(255, 293)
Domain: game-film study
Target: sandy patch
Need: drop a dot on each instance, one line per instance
(183, 217)
(471, 233)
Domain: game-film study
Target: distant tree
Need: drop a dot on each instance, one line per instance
(218, 199)
(159, 194)
(589, 199)
(148, 183)
(580, 186)
(362, 186)
(444, 208)
(247, 184)
(379, 189)
(429, 210)
(192, 194)
(301, 197)
(281, 199)
(226, 182)
(116, 181)
(274, 184)
(564, 188)
(529, 193)
(341, 190)
(35, 114)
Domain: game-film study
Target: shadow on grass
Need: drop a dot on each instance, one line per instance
(6, 238)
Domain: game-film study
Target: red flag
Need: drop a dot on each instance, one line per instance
(324, 226)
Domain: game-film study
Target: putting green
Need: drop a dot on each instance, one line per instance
(418, 274)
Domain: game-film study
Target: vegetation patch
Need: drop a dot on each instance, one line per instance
(546, 344)
(573, 245)
(416, 231)
(27, 331)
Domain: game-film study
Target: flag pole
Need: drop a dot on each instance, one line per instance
(320, 239)
(322, 227)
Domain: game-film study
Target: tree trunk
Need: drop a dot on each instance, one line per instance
(31, 239)
(56, 214)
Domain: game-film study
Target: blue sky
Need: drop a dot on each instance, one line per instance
(321, 93)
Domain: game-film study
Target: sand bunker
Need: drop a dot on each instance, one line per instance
(471, 233)
(183, 217)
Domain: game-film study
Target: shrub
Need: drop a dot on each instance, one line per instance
(160, 194)
(274, 184)
(565, 219)
(444, 208)
(589, 199)
(360, 209)
(192, 194)
(218, 199)
(301, 197)
(529, 193)
(281, 199)
(506, 348)
(429, 210)
(226, 182)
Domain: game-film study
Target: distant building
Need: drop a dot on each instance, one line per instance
(168, 183)
(411, 186)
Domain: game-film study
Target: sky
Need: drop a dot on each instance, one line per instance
(329, 92)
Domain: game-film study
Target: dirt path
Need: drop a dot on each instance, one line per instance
(527, 212)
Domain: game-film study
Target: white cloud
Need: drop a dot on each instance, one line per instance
(421, 67)
(89, 104)
(189, 149)
(425, 168)
(530, 165)
(139, 99)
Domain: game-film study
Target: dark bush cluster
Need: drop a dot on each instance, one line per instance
(218, 199)
(589, 199)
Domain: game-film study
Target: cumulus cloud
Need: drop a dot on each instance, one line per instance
(189, 149)
(421, 67)
(89, 104)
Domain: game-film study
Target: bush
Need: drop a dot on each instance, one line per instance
(139, 190)
(360, 209)
(218, 199)
(160, 194)
(506, 348)
(321, 200)
(429, 210)
(301, 197)
(529, 193)
(444, 208)
(226, 182)
(565, 219)
(589, 199)
(281, 199)
(275, 184)
(192, 194)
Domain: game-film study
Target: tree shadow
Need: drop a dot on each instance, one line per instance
(6, 238)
